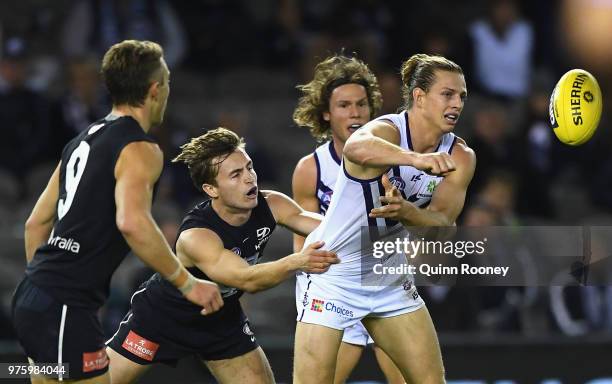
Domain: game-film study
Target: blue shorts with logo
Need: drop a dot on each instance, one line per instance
(158, 330)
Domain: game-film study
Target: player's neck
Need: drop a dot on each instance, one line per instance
(423, 136)
(138, 114)
(232, 216)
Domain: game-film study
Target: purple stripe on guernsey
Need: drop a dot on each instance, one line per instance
(332, 151)
(408, 138)
(372, 226)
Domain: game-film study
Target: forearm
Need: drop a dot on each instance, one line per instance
(373, 151)
(267, 275)
(35, 235)
(419, 217)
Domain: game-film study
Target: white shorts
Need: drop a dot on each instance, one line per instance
(339, 304)
(357, 334)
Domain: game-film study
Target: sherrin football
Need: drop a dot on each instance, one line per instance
(575, 107)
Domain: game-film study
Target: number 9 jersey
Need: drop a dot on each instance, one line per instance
(85, 247)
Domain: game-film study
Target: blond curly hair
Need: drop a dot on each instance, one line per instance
(329, 74)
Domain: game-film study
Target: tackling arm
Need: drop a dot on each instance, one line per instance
(205, 249)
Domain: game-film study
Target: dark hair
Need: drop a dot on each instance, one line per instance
(419, 71)
(204, 154)
(128, 69)
(328, 75)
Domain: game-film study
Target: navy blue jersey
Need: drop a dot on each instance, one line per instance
(247, 241)
(85, 247)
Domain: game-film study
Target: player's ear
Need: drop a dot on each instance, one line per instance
(326, 116)
(154, 89)
(210, 190)
(417, 95)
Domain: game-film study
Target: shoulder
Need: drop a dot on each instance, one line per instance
(280, 204)
(305, 175)
(464, 157)
(462, 152)
(143, 157)
(307, 165)
(274, 197)
(143, 149)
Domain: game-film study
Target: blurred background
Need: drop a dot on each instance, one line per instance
(236, 64)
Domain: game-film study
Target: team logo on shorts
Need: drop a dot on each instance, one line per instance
(94, 361)
(317, 305)
(139, 346)
(247, 331)
(237, 251)
(407, 285)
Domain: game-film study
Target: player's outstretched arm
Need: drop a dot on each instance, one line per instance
(374, 148)
(205, 249)
(136, 171)
(290, 215)
(447, 200)
(39, 225)
(304, 187)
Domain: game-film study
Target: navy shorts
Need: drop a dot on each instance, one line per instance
(53, 332)
(154, 332)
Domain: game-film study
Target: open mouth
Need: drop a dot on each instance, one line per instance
(353, 127)
(252, 192)
(451, 118)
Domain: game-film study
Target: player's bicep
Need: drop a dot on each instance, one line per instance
(382, 129)
(136, 171)
(304, 184)
(290, 215)
(205, 249)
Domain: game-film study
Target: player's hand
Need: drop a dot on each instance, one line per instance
(205, 294)
(438, 163)
(312, 259)
(395, 206)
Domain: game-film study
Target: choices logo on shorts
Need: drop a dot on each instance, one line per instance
(320, 306)
(338, 309)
